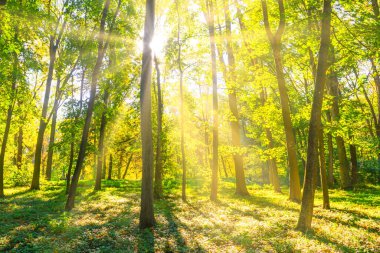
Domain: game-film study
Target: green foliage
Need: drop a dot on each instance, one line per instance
(19, 177)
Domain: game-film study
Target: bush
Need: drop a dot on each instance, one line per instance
(369, 171)
(20, 177)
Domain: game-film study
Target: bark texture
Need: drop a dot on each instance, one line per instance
(158, 172)
(102, 46)
(214, 172)
(275, 41)
(146, 212)
(306, 214)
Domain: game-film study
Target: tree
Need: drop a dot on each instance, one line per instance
(11, 104)
(211, 30)
(110, 168)
(54, 42)
(273, 173)
(147, 212)
(183, 156)
(54, 113)
(306, 214)
(52, 131)
(345, 180)
(102, 132)
(275, 41)
(158, 172)
(322, 166)
(102, 47)
(241, 188)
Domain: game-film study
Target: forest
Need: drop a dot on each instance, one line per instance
(189, 126)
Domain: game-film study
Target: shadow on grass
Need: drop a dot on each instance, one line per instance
(174, 234)
(263, 202)
(349, 223)
(324, 239)
(368, 196)
(26, 217)
(356, 213)
(34, 221)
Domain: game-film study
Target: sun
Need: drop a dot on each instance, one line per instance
(158, 43)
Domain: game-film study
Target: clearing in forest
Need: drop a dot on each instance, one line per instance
(107, 221)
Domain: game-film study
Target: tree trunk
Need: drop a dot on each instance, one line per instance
(241, 188)
(94, 80)
(147, 212)
(158, 172)
(183, 156)
(354, 164)
(8, 125)
(273, 172)
(68, 175)
(43, 122)
(54, 44)
(110, 168)
(52, 132)
(224, 167)
(19, 148)
(345, 180)
(265, 173)
(304, 220)
(104, 166)
(275, 41)
(127, 167)
(211, 29)
(120, 166)
(322, 162)
(272, 164)
(331, 155)
(99, 165)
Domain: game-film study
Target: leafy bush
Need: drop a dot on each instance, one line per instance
(369, 170)
(20, 177)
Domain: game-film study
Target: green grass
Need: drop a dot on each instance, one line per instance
(107, 221)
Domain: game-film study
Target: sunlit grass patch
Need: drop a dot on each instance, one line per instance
(107, 221)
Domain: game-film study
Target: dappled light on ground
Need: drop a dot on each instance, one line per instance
(107, 221)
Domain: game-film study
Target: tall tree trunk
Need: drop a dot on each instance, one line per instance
(147, 212)
(275, 181)
(72, 143)
(158, 172)
(120, 166)
(275, 41)
(103, 123)
(224, 167)
(71, 162)
(183, 156)
(127, 167)
(52, 132)
(272, 164)
(102, 47)
(104, 167)
(306, 214)
(376, 77)
(345, 180)
(241, 188)
(110, 168)
(53, 47)
(331, 155)
(322, 162)
(19, 148)
(8, 123)
(211, 29)
(354, 164)
(265, 173)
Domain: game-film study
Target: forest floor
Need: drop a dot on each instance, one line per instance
(107, 221)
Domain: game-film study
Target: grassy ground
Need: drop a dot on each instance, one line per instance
(107, 221)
